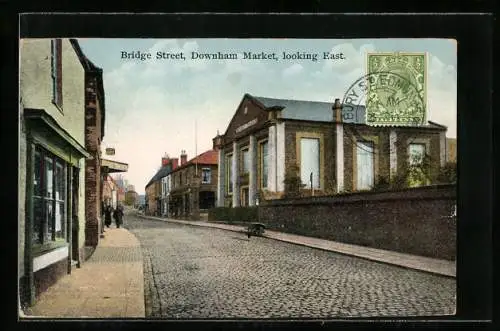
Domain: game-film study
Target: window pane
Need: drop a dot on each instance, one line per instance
(38, 218)
(245, 155)
(229, 167)
(206, 176)
(417, 152)
(265, 162)
(49, 173)
(365, 165)
(50, 219)
(60, 228)
(60, 182)
(37, 185)
(309, 161)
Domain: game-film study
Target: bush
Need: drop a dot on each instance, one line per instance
(232, 215)
(447, 174)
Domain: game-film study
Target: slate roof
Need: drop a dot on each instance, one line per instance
(317, 111)
(304, 110)
(164, 171)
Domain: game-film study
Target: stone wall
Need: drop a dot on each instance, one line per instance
(413, 221)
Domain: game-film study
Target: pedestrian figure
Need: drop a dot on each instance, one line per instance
(107, 215)
(118, 216)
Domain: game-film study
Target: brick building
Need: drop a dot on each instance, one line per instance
(270, 144)
(191, 188)
(94, 133)
(153, 199)
(451, 149)
(96, 168)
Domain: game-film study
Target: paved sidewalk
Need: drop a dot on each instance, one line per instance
(110, 284)
(435, 266)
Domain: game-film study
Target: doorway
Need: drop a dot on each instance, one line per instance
(244, 197)
(75, 248)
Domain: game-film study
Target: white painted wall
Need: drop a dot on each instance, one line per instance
(280, 157)
(393, 156)
(272, 152)
(340, 156)
(235, 173)
(221, 172)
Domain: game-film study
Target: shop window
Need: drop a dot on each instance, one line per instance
(309, 162)
(206, 175)
(49, 198)
(264, 163)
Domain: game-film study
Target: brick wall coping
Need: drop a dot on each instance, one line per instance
(436, 192)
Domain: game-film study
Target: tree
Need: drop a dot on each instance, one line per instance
(130, 199)
(447, 173)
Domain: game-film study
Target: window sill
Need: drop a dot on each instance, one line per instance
(41, 249)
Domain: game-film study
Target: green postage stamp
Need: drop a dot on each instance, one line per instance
(396, 88)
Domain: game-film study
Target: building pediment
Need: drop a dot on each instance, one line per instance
(249, 115)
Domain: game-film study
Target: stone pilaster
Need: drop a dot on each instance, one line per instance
(221, 179)
(252, 178)
(235, 176)
(271, 178)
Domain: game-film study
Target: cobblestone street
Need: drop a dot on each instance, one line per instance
(193, 272)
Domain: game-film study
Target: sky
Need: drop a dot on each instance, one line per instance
(157, 106)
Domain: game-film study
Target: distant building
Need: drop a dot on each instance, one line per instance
(192, 187)
(451, 149)
(153, 188)
(131, 198)
(141, 199)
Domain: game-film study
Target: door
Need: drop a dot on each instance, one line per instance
(76, 224)
(244, 197)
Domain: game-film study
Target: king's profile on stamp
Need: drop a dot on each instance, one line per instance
(396, 88)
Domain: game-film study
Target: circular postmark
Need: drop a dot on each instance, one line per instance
(389, 99)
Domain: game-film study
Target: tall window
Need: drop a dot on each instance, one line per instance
(56, 71)
(365, 166)
(309, 162)
(49, 198)
(264, 163)
(416, 175)
(245, 161)
(229, 173)
(206, 175)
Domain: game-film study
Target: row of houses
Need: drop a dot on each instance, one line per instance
(62, 173)
(184, 189)
(272, 146)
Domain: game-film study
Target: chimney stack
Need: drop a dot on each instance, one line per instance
(337, 111)
(175, 163)
(183, 157)
(165, 160)
(217, 141)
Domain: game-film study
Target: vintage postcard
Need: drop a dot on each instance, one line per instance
(237, 178)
